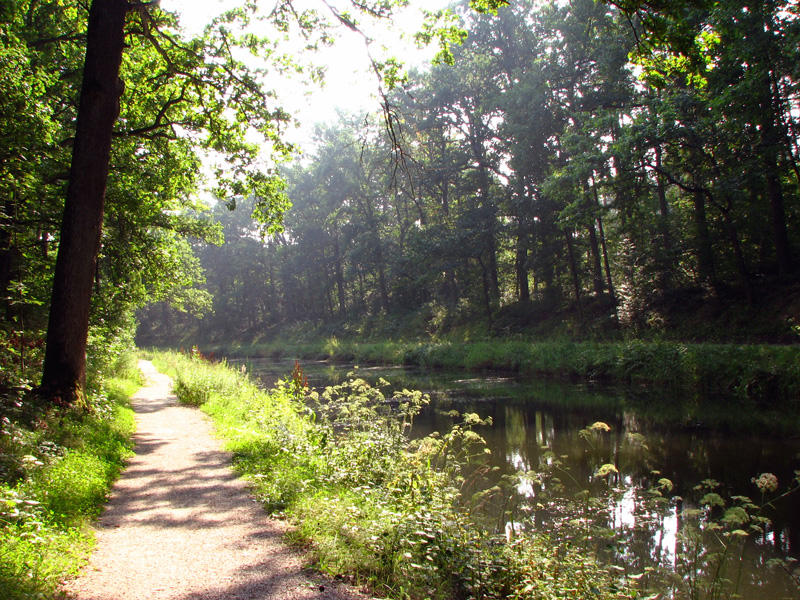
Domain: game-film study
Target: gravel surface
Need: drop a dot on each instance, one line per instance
(181, 525)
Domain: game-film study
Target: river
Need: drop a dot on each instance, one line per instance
(667, 453)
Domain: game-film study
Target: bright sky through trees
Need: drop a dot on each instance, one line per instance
(350, 85)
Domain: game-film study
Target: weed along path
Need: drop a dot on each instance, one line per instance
(180, 525)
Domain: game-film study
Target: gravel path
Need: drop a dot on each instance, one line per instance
(180, 525)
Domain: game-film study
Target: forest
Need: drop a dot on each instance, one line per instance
(574, 188)
(582, 170)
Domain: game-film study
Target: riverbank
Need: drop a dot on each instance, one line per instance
(429, 517)
(764, 373)
(377, 508)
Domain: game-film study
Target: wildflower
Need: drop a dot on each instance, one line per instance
(766, 482)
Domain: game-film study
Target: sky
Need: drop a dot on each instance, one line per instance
(349, 83)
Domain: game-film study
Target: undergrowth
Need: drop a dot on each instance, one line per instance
(56, 468)
(406, 517)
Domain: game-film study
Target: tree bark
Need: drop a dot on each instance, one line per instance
(705, 255)
(64, 374)
(339, 272)
(573, 267)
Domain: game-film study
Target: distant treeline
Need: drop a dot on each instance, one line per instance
(577, 165)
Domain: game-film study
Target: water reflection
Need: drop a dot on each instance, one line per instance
(662, 448)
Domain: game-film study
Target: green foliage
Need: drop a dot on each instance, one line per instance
(714, 536)
(573, 174)
(374, 505)
(56, 470)
(197, 380)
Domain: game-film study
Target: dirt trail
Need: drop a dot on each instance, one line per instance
(180, 525)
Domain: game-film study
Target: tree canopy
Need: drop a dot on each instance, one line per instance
(592, 161)
(587, 160)
(162, 101)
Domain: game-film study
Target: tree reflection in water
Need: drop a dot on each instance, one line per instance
(635, 492)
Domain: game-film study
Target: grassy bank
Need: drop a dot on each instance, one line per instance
(397, 515)
(762, 372)
(56, 469)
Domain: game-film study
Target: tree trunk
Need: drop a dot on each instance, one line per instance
(382, 287)
(597, 269)
(523, 288)
(487, 295)
(664, 258)
(741, 265)
(339, 273)
(490, 245)
(771, 140)
(494, 274)
(64, 372)
(663, 206)
(590, 201)
(705, 255)
(451, 292)
(6, 255)
(778, 220)
(573, 267)
(606, 263)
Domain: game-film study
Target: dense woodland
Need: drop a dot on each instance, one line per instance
(582, 169)
(574, 170)
(163, 97)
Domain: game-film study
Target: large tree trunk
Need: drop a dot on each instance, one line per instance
(65, 358)
(772, 141)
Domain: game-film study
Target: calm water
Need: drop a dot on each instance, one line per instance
(536, 431)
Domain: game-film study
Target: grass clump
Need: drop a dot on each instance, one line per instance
(405, 516)
(56, 468)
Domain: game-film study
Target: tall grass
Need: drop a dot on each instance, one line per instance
(761, 372)
(402, 516)
(56, 469)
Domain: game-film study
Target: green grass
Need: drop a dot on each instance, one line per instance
(56, 469)
(765, 373)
